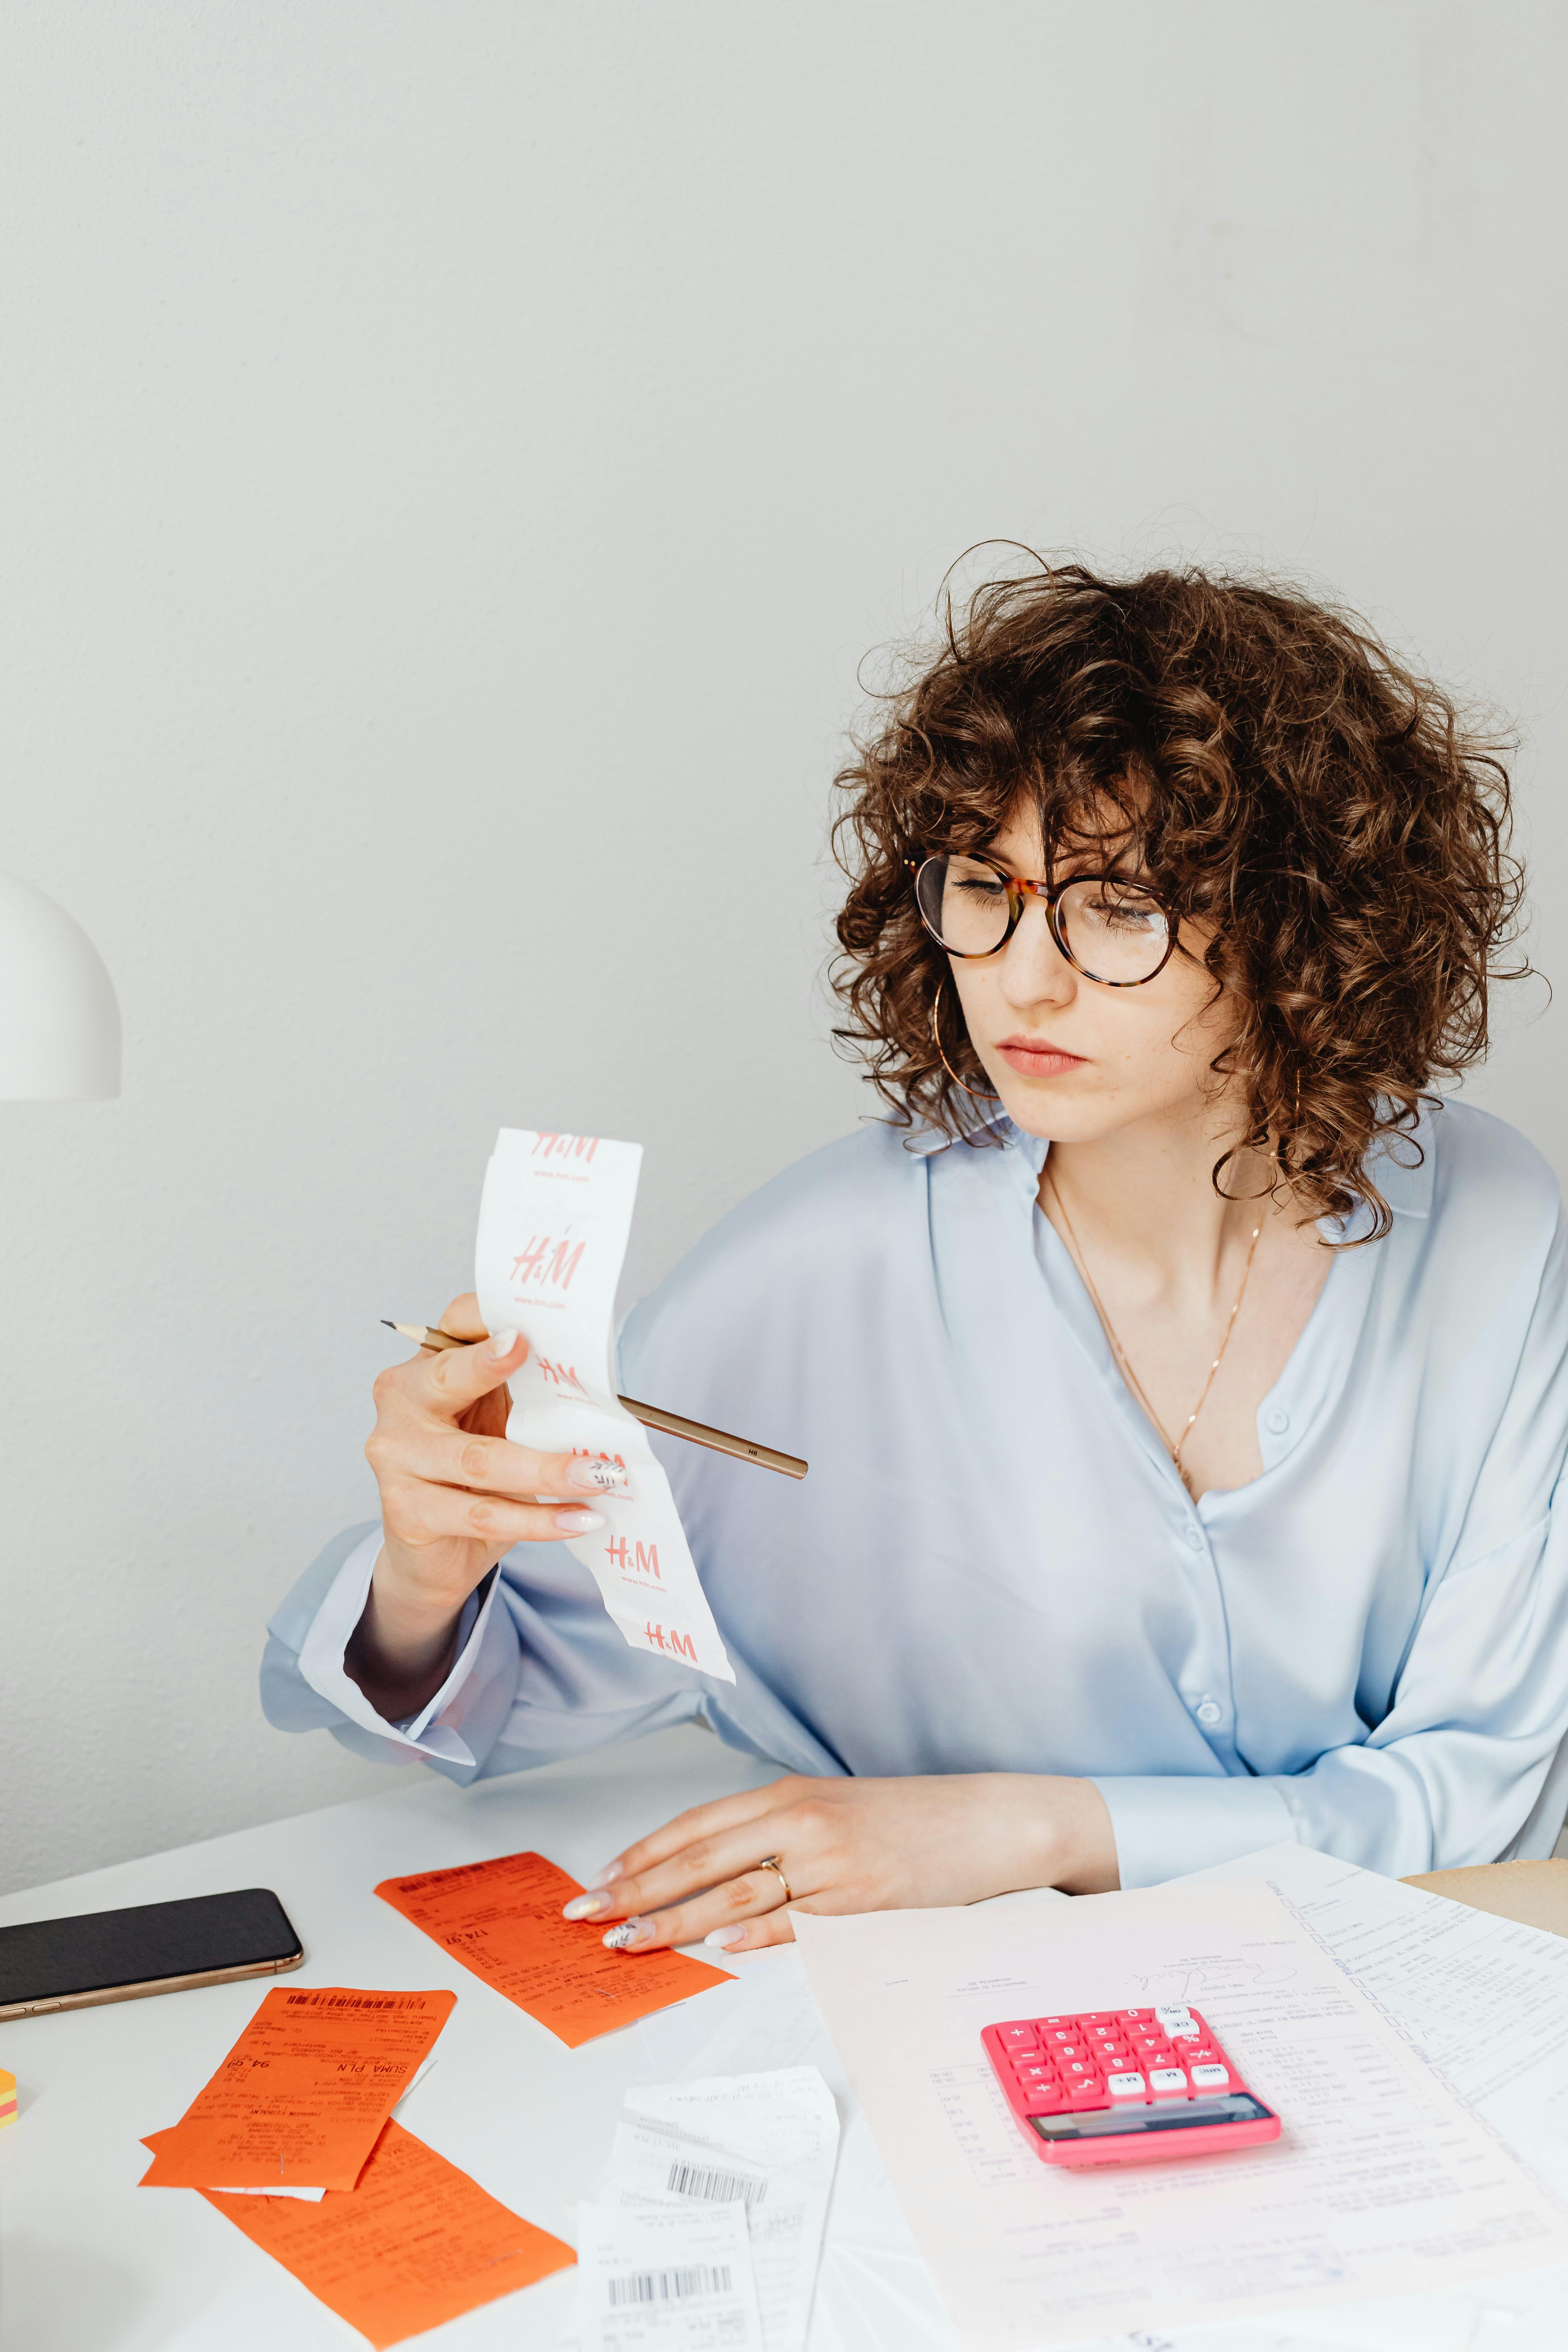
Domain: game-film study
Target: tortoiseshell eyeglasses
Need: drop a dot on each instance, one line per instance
(1109, 928)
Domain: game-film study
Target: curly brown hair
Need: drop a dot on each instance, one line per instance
(1338, 821)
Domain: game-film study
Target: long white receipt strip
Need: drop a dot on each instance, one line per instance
(554, 1222)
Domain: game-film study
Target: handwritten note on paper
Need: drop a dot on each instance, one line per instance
(1382, 2183)
(502, 1919)
(304, 2094)
(554, 1223)
(416, 2243)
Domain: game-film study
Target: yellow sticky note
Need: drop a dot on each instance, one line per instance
(7, 2098)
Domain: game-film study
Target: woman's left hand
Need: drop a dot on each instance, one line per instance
(849, 1845)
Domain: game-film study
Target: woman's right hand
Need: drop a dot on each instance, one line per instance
(455, 1496)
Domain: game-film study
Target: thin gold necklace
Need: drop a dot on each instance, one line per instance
(1134, 1382)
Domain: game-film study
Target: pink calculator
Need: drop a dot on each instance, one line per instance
(1125, 2085)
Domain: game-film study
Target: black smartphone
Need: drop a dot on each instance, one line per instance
(152, 1948)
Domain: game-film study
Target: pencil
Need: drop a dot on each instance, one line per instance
(789, 1465)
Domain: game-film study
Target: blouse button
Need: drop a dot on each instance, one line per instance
(1195, 1539)
(1208, 1711)
(1276, 1420)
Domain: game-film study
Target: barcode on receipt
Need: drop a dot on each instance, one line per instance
(354, 2000)
(717, 2187)
(670, 2286)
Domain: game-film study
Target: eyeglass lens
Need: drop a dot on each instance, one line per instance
(1113, 929)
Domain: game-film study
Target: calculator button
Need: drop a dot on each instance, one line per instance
(1174, 2013)
(1100, 2017)
(1017, 2037)
(1115, 2057)
(1168, 2082)
(1088, 2093)
(1211, 2078)
(1053, 2033)
(1078, 2070)
(1135, 2016)
(1028, 2071)
(1125, 2086)
(1202, 2054)
(1043, 2098)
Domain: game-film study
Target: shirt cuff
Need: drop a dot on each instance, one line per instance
(322, 1660)
(1169, 1825)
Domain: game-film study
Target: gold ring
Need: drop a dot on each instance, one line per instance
(771, 1862)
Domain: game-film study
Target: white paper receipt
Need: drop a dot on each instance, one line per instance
(675, 2281)
(554, 1223)
(766, 2141)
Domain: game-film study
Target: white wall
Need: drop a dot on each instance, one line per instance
(454, 456)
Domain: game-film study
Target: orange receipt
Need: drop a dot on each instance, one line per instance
(416, 2244)
(302, 2096)
(502, 1919)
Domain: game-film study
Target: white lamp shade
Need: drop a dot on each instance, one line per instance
(59, 1022)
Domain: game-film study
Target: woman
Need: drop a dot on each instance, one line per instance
(1183, 1384)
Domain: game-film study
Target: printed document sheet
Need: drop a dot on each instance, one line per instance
(554, 1222)
(1486, 1999)
(1383, 2181)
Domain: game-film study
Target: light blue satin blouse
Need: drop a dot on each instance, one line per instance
(994, 1566)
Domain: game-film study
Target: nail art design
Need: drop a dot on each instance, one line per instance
(602, 1477)
(584, 1906)
(630, 1933)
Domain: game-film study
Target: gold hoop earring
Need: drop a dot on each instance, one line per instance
(986, 1094)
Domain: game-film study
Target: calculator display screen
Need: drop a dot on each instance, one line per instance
(1184, 2114)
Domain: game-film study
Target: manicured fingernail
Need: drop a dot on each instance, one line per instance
(611, 1871)
(724, 1939)
(502, 1343)
(597, 1477)
(579, 1523)
(627, 1935)
(584, 1906)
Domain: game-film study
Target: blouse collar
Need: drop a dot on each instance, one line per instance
(1399, 1165)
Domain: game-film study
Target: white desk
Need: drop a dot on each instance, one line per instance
(89, 2262)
